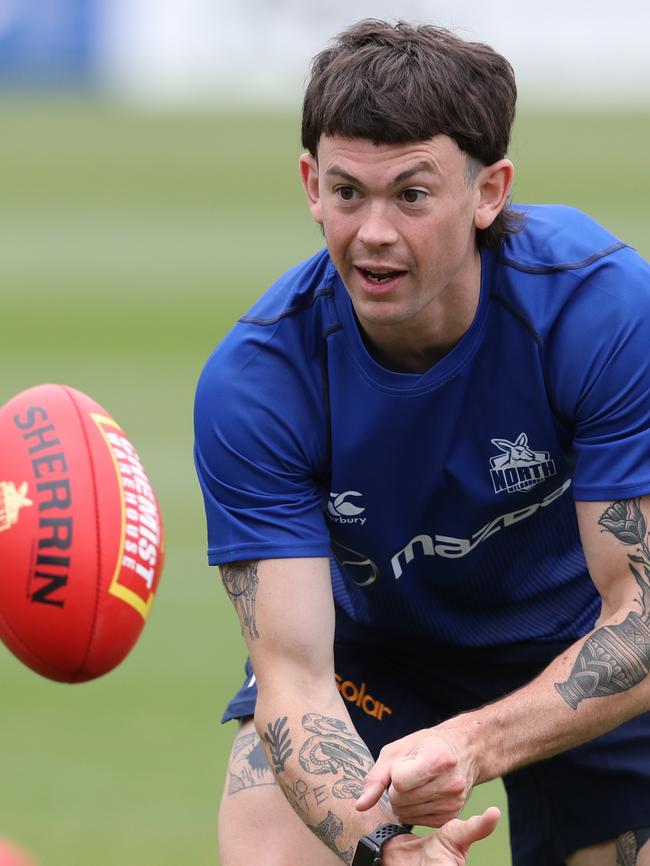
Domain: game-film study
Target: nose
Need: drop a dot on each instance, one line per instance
(376, 228)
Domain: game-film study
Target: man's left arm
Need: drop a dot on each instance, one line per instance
(599, 682)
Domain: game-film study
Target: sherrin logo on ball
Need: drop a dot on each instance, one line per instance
(81, 535)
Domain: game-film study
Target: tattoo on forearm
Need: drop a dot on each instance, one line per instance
(328, 831)
(241, 581)
(279, 742)
(297, 792)
(629, 846)
(248, 765)
(332, 749)
(335, 749)
(303, 797)
(626, 850)
(617, 657)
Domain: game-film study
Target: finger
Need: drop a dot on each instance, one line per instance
(449, 786)
(428, 816)
(375, 783)
(370, 796)
(422, 767)
(482, 825)
(432, 813)
(461, 834)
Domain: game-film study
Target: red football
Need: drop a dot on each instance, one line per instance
(14, 855)
(81, 538)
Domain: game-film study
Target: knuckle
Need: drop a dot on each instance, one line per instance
(399, 786)
(447, 759)
(456, 786)
(439, 762)
(456, 806)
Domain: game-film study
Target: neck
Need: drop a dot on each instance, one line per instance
(408, 359)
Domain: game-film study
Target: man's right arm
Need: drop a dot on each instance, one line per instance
(286, 612)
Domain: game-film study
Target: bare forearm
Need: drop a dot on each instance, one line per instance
(320, 763)
(316, 756)
(603, 679)
(596, 685)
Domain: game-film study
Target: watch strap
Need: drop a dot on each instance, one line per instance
(385, 832)
(370, 846)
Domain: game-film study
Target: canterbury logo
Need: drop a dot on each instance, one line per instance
(518, 467)
(342, 510)
(358, 695)
(12, 499)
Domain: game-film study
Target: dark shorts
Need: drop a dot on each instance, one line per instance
(587, 795)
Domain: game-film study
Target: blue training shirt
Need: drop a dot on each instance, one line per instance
(445, 499)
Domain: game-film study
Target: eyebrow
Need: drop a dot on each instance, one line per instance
(423, 166)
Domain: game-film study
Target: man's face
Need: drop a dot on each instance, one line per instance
(399, 221)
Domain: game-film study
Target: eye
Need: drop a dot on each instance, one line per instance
(413, 196)
(346, 193)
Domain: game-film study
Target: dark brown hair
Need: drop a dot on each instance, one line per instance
(394, 84)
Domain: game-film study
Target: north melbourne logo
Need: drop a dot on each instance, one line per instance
(518, 467)
(341, 510)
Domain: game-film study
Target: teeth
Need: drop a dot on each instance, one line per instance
(378, 276)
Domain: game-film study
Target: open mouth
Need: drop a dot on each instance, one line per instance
(380, 276)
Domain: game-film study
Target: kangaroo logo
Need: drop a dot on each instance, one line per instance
(519, 468)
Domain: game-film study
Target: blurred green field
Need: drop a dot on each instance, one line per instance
(129, 242)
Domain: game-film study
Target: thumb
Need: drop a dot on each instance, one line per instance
(374, 785)
(459, 834)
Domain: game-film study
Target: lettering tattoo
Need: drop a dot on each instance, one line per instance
(617, 657)
(279, 743)
(241, 581)
(248, 765)
(335, 749)
(298, 791)
(328, 831)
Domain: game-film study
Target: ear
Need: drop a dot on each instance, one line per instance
(309, 176)
(494, 183)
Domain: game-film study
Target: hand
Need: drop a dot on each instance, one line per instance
(450, 845)
(427, 776)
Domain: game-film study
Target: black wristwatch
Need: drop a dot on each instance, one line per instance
(369, 847)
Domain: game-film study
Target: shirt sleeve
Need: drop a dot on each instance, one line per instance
(599, 373)
(259, 440)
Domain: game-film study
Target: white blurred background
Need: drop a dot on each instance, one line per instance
(250, 52)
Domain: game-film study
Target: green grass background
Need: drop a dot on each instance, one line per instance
(129, 243)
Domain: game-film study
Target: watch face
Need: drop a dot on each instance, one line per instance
(367, 853)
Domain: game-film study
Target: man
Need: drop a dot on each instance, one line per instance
(425, 457)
